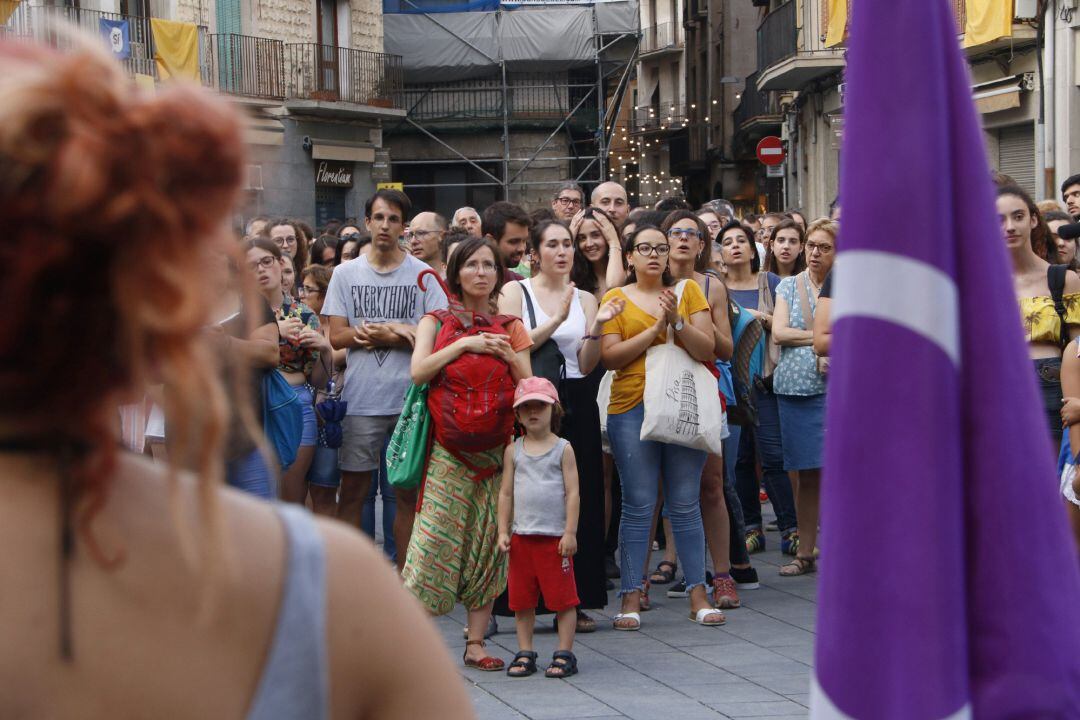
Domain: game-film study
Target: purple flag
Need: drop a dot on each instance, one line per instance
(949, 585)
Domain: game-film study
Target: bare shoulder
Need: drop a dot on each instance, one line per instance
(1072, 282)
(382, 640)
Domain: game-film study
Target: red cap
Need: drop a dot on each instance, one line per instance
(535, 388)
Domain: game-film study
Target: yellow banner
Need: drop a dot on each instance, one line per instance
(838, 19)
(987, 20)
(176, 49)
(7, 9)
(390, 186)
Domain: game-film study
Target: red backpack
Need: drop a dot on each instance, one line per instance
(471, 399)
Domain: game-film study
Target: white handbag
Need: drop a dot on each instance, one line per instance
(603, 397)
(682, 398)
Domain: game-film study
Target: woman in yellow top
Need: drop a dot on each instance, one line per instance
(646, 306)
(1032, 253)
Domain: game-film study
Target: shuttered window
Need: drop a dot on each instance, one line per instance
(1016, 155)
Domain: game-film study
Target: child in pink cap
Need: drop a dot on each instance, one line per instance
(539, 502)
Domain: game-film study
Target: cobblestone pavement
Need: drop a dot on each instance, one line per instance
(757, 665)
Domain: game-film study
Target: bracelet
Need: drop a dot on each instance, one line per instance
(590, 337)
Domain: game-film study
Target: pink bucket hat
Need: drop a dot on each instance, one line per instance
(535, 388)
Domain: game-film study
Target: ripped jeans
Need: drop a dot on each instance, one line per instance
(641, 464)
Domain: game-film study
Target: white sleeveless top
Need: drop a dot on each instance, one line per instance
(568, 335)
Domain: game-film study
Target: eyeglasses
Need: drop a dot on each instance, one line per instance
(811, 248)
(568, 201)
(350, 236)
(647, 249)
(475, 266)
(714, 227)
(265, 263)
(683, 233)
(421, 234)
(307, 290)
(287, 240)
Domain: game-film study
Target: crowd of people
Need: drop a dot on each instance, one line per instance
(577, 293)
(530, 338)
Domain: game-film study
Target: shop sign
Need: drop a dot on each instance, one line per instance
(332, 173)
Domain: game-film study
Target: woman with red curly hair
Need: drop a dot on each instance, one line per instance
(144, 590)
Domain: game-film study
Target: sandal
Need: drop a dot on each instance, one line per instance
(563, 665)
(633, 616)
(525, 661)
(799, 566)
(646, 604)
(585, 624)
(663, 575)
(487, 664)
(702, 615)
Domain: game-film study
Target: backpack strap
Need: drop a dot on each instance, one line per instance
(765, 298)
(1055, 279)
(526, 291)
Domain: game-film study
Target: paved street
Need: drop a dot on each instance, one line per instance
(757, 665)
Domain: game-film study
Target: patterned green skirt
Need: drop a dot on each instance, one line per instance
(453, 554)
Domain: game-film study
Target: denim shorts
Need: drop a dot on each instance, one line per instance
(311, 424)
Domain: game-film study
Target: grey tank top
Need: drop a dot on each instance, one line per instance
(539, 493)
(295, 683)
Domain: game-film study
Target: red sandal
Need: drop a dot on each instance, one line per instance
(487, 664)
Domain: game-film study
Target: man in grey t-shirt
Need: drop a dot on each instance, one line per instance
(373, 305)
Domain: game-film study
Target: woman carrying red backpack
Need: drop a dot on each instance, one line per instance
(472, 360)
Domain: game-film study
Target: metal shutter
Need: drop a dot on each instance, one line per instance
(1016, 155)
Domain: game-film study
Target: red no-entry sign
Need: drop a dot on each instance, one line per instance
(770, 151)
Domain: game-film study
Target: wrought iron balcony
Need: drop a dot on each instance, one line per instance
(755, 105)
(48, 24)
(667, 36)
(249, 66)
(343, 75)
(660, 118)
(777, 36)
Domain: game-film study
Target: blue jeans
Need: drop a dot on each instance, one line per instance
(250, 474)
(641, 464)
(736, 524)
(765, 440)
(380, 485)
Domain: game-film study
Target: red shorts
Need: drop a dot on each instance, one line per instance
(536, 566)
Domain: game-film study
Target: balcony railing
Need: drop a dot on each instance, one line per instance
(669, 116)
(47, 24)
(777, 36)
(325, 72)
(532, 98)
(665, 36)
(754, 104)
(244, 65)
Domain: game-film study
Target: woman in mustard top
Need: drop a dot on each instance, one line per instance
(646, 307)
(1032, 253)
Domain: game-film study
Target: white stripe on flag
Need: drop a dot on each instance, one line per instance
(900, 290)
(822, 708)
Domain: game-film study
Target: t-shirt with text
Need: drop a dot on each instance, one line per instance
(376, 380)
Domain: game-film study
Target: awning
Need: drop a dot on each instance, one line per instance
(339, 150)
(1001, 94)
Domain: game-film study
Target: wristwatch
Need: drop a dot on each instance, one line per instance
(679, 325)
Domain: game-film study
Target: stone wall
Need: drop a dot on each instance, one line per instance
(367, 25)
(285, 20)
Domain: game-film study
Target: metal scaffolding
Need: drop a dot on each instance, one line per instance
(574, 84)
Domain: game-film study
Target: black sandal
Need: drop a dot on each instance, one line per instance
(664, 575)
(524, 659)
(563, 665)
